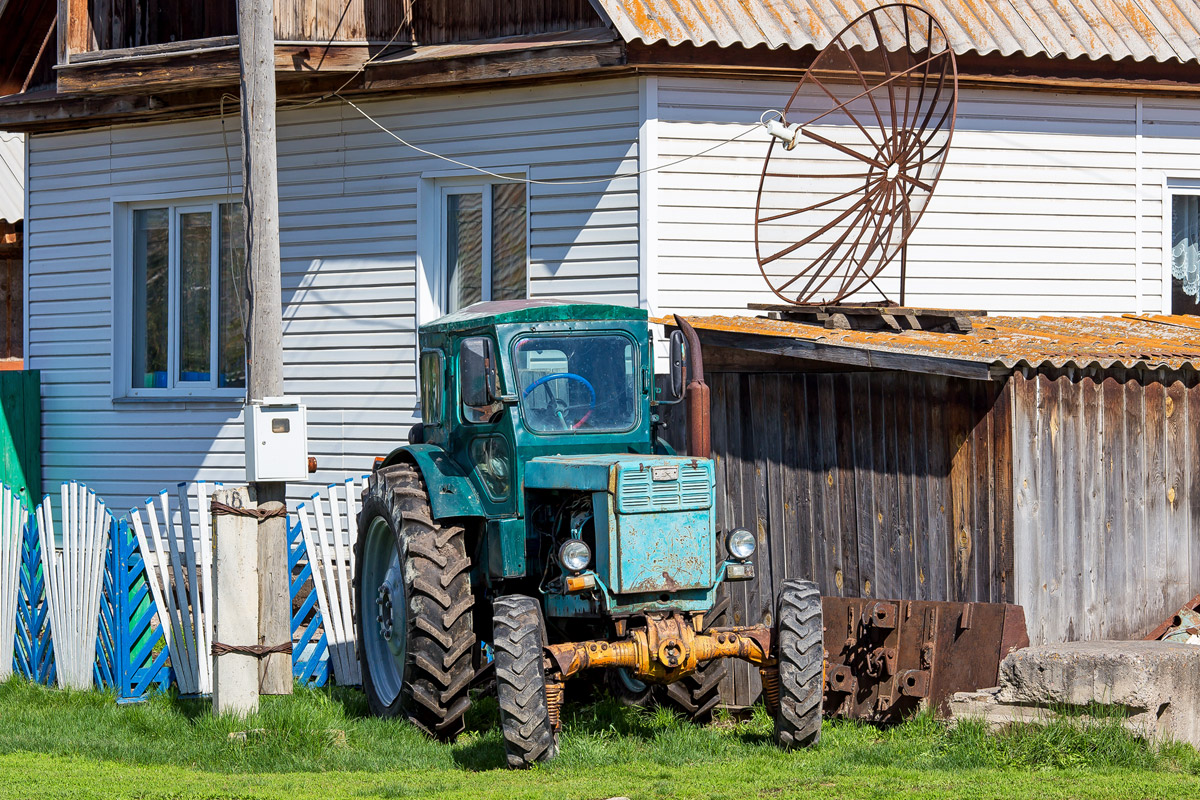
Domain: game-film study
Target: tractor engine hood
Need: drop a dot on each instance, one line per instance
(655, 530)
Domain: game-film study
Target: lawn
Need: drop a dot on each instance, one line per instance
(320, 744)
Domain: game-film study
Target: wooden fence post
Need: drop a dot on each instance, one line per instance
(235, 675)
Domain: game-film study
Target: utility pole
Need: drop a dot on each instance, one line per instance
(264, 345)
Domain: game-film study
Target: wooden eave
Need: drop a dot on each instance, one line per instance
(191, 82)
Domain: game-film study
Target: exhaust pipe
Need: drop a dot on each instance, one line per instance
(699, 426)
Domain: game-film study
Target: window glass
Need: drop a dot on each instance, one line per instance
(151, 267)
(1185, 254)
(508, 241)
(478, 380)
(431, 387)
(233, 303)
(493, 464)
(579, 383)
(464, 249)
(176, 255)
(195, 296)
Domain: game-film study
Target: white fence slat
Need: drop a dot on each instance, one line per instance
(194, 570)
(164, 543)
(181, 550)
(344, 579)
(13, 519)
(330, 546)
(314, 563)
(73, 572)
(206, 564)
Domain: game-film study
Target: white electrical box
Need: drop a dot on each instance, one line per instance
(276, 440)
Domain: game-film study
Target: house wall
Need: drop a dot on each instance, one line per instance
(1037, 210)
(349, 211)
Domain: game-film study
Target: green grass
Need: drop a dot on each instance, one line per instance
(321, 744)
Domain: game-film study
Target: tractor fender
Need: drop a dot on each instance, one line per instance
(450, 491)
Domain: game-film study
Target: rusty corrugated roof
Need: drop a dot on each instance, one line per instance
(1116, 29)
(1004, 343)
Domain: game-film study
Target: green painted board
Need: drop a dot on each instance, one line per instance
(20, 433)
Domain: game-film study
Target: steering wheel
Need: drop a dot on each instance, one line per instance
(565, 376)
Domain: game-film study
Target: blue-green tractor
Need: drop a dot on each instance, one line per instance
(536, 509)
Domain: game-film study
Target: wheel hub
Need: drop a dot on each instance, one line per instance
(384, 601)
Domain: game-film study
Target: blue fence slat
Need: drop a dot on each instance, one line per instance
(135, 668)
(310, 659)
(35, 652)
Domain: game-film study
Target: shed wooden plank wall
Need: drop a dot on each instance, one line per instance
(1107, 500)
(878, 484)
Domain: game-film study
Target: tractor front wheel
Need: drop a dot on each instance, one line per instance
(801, 655)
(519, 641)
(414, 602)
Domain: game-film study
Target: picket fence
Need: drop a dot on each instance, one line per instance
(127, 604)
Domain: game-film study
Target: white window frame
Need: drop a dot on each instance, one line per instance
(432, 269)
(123, 388)
(1171, 188)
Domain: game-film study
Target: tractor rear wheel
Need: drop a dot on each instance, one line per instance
(519, 635)
(413, 591)
(801, 653)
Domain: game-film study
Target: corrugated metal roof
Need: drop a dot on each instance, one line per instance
(1116, 29)
(999, 342)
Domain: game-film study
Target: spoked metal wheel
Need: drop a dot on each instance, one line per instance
(415, 627)
(863, 142)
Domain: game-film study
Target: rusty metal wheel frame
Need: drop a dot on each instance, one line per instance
(908, 89)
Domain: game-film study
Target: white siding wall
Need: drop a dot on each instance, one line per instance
(348, 219)
(1036, 211)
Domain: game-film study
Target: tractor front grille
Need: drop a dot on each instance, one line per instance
(639, 493)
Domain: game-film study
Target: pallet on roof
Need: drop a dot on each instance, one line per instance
(875, 316)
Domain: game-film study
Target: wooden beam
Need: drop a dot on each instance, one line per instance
(855, 356)
(300, 74)
(80, 36)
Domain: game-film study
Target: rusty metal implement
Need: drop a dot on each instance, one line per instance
(855, 156)
(888, 658)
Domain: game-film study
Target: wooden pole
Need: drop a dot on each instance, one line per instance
(264, 346)
(235, 675)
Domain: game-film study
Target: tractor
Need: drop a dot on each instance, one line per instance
(536, 520)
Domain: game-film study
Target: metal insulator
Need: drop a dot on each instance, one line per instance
(770, 682)
(554, 701)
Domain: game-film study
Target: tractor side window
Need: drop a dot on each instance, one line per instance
(431, 387)
(478, 380)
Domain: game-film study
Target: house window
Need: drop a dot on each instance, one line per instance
(1185, 252)
(188, 300)
(484, 243)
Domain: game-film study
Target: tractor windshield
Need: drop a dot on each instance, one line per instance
(578, 382)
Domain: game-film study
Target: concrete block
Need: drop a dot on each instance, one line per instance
(1155, 684)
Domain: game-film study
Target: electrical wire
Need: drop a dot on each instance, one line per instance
(564, 182)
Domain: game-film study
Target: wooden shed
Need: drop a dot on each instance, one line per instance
(1052, 462)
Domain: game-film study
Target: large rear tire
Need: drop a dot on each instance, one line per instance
(414, 602)
(801, 651)
(520, 638)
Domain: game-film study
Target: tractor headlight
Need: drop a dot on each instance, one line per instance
(740, 544)
(574, 555)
